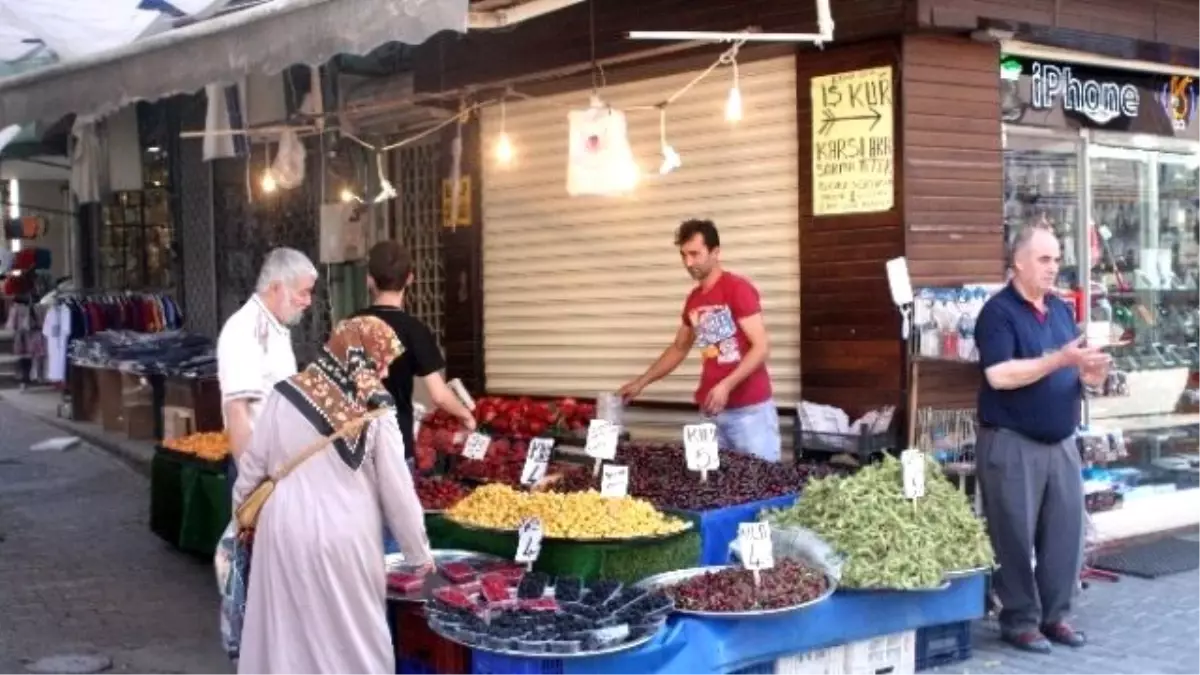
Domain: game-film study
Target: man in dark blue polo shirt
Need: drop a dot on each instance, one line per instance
(1034, 366)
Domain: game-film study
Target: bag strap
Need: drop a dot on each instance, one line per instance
(320, 443)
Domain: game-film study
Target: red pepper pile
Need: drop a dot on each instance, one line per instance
(510, 422)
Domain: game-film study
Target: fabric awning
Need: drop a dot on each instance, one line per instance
(267, 39)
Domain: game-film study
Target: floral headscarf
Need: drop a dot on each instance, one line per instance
(343, 383)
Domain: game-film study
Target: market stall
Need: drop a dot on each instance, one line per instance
(643, 557)
(189, 493)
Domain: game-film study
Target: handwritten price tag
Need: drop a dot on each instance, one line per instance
(700, 447)
(614, 482)
(476, 446)
(754, 540)
(529, 541)
(912, 468)
(537, 459)
(602, 440)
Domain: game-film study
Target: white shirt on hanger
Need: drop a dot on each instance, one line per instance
(57, 330)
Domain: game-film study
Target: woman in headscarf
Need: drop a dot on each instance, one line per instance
(316, 599)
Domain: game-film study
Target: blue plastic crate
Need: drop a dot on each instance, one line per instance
(943, 645)
(486, 663)
(413, 667)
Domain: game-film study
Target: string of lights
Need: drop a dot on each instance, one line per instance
(504, 150)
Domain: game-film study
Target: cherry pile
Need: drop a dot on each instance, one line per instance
(788, 584)
(658, 473)
(439, 494)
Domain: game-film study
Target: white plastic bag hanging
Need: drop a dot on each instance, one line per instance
(288, 169)
(599, 159)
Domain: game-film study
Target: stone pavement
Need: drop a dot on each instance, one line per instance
(80, 571)
(1133, 626)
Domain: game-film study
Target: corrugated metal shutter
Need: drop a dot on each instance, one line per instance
(582, 294)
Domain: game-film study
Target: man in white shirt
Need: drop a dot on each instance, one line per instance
(254, 351)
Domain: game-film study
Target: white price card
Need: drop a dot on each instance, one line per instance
(912, 467)
(614, 481)
(529, 541)
(700, 447)
(476, 446)
(754, 542)
(602, 440)
(537, 459)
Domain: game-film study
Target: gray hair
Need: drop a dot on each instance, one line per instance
(286, 266)
(1022, 238)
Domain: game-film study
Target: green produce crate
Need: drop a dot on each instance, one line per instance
(627, 562)
(189, 501)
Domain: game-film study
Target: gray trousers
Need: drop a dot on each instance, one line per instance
(1033, 500)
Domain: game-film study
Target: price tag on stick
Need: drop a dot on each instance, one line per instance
(700, 448)
(476, 446)
(912, 467)
(615, 481)
(602, 442)
(529, 541)
(537, 460)
(758, 553)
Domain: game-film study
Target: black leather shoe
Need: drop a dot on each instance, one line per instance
(1029, 641)
(1063, 634)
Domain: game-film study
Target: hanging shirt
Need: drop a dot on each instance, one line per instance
(254, 352)
(57, 330)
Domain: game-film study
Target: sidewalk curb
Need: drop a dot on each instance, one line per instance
(94, 437)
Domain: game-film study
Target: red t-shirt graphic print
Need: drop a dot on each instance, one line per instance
(714, 314)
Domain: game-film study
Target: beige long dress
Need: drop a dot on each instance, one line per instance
(316, 599)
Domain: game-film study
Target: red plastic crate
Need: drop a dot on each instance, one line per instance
(416, 644)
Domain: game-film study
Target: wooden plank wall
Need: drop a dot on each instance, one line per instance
(450, 61)
(850, 332)
(953, 181)
(1166, 22)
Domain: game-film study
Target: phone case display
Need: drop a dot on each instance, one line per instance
(1041, 187)
(1145, 288)
(944, 321)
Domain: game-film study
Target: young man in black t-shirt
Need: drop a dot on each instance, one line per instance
(389, 272)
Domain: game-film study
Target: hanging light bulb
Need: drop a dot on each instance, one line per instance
(347, 195)
(504, 147)
(733, 104)
(671, 159)
(268, 181)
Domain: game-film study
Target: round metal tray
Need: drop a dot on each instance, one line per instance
(687, 526)
(394, 562)
(963, 574)
(668, 579)
(607, 651)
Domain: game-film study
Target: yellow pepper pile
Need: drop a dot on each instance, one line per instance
(577, 515)
(212, 446)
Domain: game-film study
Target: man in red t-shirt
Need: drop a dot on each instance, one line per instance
(722, 316)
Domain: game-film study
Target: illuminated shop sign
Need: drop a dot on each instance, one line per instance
(1099, 100)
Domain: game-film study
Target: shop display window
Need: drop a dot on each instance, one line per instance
(1135, 271)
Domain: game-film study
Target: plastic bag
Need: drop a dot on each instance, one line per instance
(802, 543)
(232, 565)
(288, 169)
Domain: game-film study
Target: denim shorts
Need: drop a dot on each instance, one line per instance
(753, 429)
